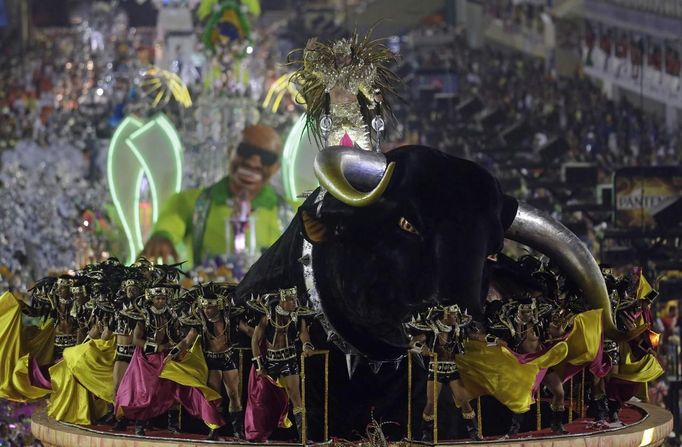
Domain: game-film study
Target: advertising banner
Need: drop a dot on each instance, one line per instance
(637, 190)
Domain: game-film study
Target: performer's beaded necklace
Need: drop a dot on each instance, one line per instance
(281, 312)
(62, 316)
(275, 320)
(442, 327)
(224, 333)
(175, 333)
(64, 319)
(447, 341)
(159, 321)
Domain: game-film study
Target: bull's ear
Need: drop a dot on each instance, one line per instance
(318, 220)
(313, 229)
(321, 223)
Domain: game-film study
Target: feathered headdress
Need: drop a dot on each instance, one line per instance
(357, 65)
(42, 288)
(166, 274)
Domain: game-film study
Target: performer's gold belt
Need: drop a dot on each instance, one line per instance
(125, 349)
(280, 355)
(610, 346)
(444, 367)
(218, 355)
(64, 341)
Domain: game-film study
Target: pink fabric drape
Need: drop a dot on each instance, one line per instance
(37, 376)
(266, 408)
(143, 395)
(530, 356)
(599, 367)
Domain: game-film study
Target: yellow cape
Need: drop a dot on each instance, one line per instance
(16, 343)
(646, 369)
(82, 382)
(191, 371)
(495, 371)
(584, 340)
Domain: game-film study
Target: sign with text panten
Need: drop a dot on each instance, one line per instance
(637, 190)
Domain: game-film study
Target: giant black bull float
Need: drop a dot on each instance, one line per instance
(386, 236)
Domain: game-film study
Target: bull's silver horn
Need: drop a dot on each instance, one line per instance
(353, 176)
(540, 231)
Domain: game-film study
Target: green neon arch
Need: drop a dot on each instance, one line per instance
(137, 149)
(297, 162)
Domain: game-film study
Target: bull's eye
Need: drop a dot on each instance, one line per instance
(405, 225)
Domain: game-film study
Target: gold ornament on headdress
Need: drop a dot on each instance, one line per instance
(66, 282)
(153, 292)
(130, 283)
(286, 294)
(357, 66)
(79, 289)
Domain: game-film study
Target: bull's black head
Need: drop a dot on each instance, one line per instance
(424, 242)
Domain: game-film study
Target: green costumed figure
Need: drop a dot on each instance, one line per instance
(192, 223)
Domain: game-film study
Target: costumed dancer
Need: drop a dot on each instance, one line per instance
(81, 308)
(528, 337)
(151, 387)
(66, 322)
(275, 358)
(68, 328)
(634, 362)
(151, 334)
(580, 328)
(521, 320)
(127, 316)
(345, 84)
(82, 389)
(442, 331)
(40, 303)
(214, 313)
(20, 346)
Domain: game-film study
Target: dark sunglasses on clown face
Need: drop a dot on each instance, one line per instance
(246, 151)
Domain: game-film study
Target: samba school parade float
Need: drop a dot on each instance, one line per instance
(388, 286)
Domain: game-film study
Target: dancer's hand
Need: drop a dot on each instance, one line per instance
(95, 331)
(308, 349)
(107, 333)
(172, 355)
